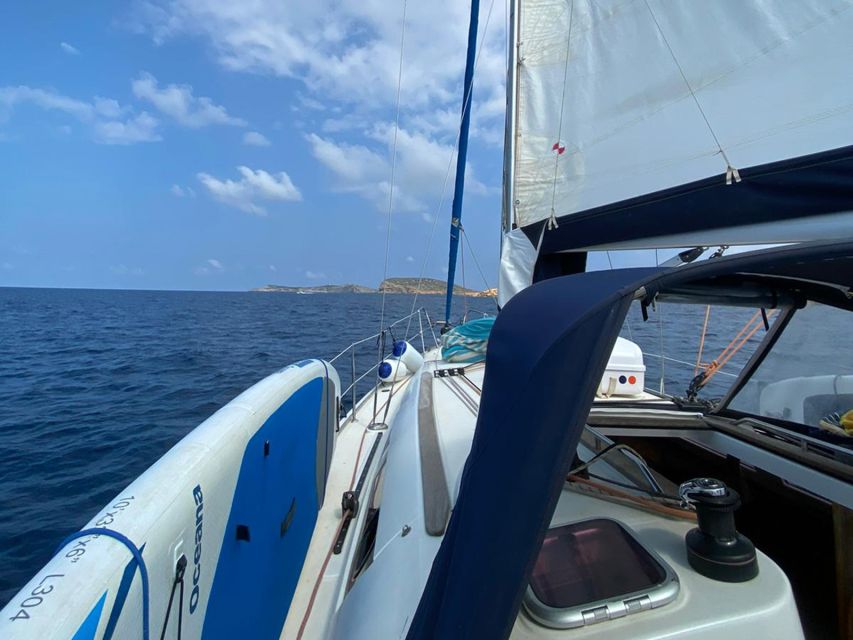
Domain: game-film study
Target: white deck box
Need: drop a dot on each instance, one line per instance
(625, 373)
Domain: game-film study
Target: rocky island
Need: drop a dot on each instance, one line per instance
(428, 286)
(325, 288)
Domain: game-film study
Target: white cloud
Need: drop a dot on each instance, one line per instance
(179, 103)
(410, 259)
(11, 97)
(315, 275)
(140, 128)
(273, 268)
(347, 122)
(211, 266)
(255, 139)
(347, 50)
(253, 185)
(346, 55)
(111, 122)
(182, 192)
(420, 172)
(69, 49)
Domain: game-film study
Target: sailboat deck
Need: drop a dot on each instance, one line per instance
(323, 571)
(703, 607)
(330, 603)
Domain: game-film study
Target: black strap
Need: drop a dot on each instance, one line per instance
(180, 569)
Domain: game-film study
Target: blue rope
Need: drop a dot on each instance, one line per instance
(135, 552)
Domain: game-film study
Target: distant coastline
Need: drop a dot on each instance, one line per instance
(428, 286)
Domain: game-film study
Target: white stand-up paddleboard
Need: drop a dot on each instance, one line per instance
(222, 524)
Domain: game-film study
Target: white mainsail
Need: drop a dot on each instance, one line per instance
(614, 99)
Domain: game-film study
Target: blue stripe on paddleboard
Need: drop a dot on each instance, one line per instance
(276, 498)
(121, 596)
(90, 624)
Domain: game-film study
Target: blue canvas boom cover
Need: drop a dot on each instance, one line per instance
(805, 187)
(547, 352)
(540, 340)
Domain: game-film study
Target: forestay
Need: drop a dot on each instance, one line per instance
(651, 123)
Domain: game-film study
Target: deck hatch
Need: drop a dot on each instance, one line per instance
(595, 570)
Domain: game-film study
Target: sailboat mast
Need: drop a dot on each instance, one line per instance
(462, 154)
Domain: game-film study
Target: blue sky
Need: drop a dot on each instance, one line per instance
(208, 144)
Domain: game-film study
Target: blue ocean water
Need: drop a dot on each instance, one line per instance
(97, 385)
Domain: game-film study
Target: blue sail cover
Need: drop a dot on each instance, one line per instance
(547, 351)
(540, 380)
(804, 188)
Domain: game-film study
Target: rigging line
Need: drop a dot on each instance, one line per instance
(477, 262)
(506, 40)
(464, 287)
(322, 572)
(429, 240)
(690, 89)
(471, 384)
(753, 325)
(750, 329)
(393, 169)
(702, 340)
(381, 358)
(605, 488)
(457, 390)
(421, 332)
(552, 221)
(659, 308)
(450, 165)
(684, 362)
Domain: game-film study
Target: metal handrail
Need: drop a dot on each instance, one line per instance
(351, 349)
(377, 335)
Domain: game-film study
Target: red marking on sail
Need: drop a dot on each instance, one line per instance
(558, 148)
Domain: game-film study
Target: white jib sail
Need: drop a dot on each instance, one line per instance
(612, 99)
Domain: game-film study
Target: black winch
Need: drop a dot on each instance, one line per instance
(715, 549)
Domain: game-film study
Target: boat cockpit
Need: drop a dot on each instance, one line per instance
(654, 516)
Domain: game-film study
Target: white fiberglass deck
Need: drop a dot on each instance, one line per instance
(321, 582)
(381, 602)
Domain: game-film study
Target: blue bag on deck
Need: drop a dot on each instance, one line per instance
(467, 342)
